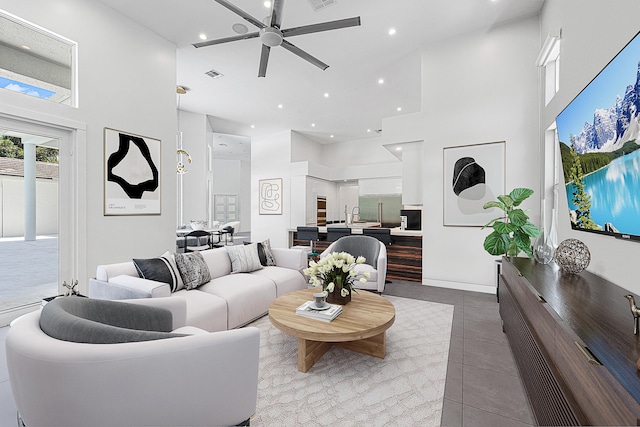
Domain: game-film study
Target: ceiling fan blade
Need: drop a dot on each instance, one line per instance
(304, 55)
(264, 58)
(227, 39)
(324, 26)
(276, 15)
(241, 13)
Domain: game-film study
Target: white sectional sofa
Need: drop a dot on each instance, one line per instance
(228, 301)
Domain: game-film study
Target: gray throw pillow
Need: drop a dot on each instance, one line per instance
(162, 269)
(244, 259)
(194, 269)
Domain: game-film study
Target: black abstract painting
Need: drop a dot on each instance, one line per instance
(132, 175)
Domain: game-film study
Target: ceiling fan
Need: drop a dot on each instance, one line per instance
(271, 35)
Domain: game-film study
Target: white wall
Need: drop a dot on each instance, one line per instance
(590, 39)
(271, 158)
(127, 78)
(412, 174)
(12, 206)
(234, 177)
(477, 88)
(303, 148)
(194, 183)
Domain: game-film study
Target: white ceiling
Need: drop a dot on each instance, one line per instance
(357, 56)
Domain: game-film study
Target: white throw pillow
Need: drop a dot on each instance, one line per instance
(244, 259)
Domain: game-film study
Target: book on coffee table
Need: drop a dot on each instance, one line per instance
(327, 315)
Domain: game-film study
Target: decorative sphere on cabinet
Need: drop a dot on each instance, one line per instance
(572, 256)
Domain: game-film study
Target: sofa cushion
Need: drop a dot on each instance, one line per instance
(366, 268)
(248, 296)
(244, 259)
(218, 261)
(285, 279)
(161, 269)
(193, 268)
(204, 310)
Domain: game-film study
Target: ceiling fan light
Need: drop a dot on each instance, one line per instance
(271, 37)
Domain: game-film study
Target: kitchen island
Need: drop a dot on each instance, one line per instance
(404, 254)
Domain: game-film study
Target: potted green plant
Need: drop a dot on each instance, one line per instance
(512, 232)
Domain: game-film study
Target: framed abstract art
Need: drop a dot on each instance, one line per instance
(131, 174)
(270, 196)
(473, 176)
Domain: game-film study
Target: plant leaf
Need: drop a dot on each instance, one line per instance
(494, 204)
(496, 243)
(508, 201)
(518, 217)
(523, 241)
(530, 229)
(503, 227)
(518, 195)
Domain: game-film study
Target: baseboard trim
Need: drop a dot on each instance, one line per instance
(472, 287)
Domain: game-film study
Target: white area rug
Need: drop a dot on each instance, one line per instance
(345, 388)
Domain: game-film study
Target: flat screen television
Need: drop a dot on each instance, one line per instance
(599, 135)
(414, 218)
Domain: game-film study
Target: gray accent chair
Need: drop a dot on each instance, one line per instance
(375, 253)
(85, 362)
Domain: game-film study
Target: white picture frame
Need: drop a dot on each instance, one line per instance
(131, 174)
(473, 175)
(270, 196)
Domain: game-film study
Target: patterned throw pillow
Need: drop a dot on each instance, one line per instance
(244, 259)
(194, 269)
(268, 254)
(162, 269)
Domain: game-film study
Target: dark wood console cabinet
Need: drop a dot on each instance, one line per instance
(572, 338)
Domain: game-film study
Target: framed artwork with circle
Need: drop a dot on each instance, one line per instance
(473, 175)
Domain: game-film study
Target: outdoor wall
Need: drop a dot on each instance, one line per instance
(127, 79)
(590, 39)
(481, 87)
(12, 206)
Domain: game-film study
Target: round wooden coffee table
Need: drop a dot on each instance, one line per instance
(360, 327)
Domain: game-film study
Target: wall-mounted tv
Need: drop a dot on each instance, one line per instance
(599, 134)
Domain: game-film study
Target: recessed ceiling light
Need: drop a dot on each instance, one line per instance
(368, 130)
(267, 4)
(326, 94)
(253, 126)
(313, 125)
(280, 106)
(331, 136)
(398, 148)
(24, 46)
(240, 28)
(380, 81)
(399, 109)
(202, 36)
(392, 31)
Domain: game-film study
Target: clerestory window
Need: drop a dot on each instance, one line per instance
(37, 62)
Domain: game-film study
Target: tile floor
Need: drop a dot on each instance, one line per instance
(17, 257)
(483, 386)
